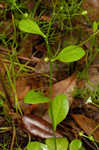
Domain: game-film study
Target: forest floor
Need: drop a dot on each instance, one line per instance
(24, 67)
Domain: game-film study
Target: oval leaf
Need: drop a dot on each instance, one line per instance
(70, 54)
(75, 144)
(30, 26)
(36, 146)
(33, 97)
(62, 144)
(60, 108)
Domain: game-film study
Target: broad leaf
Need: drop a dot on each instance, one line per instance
(70, 54)
(30, 26)
(60, 108)
(36, 146)
(75, 144)
(33, 97)
(62, 144)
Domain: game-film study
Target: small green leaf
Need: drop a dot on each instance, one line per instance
(62, 144)
(70, 54)
(60, 108)
(33, 97)
(36, 146)
(30, 26)
(75, 144)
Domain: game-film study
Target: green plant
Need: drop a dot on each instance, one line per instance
(90, 137)
(89, 93)
(93, 50)
(62, 144)
(76, 144)
(59, 107)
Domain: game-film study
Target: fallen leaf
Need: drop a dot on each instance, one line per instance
(87, 124)
(65, 87)
(26, 47)
(39, 127)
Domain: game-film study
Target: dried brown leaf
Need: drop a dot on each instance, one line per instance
(65, 87)
(39, 127)
(87, 124)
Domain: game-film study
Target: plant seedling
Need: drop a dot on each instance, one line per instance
(59, 107)
(69, 54)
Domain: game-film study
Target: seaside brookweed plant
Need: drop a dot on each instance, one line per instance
(59, 107)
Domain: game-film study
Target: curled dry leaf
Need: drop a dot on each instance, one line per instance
(39, 127)
(88, 125)
(65, 87)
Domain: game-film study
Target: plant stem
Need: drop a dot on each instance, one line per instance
(36, 7)
(50, 89)
(82, 43)
(50, 65)
(14, 89)
(69, 19)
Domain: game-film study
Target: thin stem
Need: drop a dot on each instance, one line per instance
(94, 129)
(14, 27)
(35, 8)
(96, 145)
(82, 43)
(19, 10)
(50, 89)
(51, 74)
(14, 89)
(69, 18)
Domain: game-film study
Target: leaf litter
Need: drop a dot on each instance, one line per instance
(38, 121)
